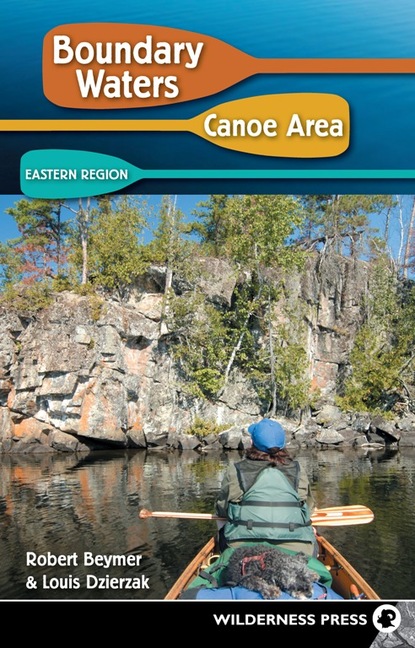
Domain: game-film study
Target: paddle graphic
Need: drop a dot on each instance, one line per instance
(117, 65)
(64, 173)
(300, 125)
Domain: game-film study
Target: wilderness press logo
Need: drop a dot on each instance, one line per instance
(386, 618)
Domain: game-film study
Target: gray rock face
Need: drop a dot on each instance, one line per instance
(332, 287)
(80, 374)
(76, 374)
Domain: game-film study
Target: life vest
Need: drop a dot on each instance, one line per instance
(270, 509)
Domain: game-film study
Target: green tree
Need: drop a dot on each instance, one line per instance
(115, 251)
(200, 342)
(11, 265)
(171, 248)
(41, 247)
(255, 233)
(341, 223)
(210, 223)
(165, 246)
(290, 374)
(257, 230)
(382, 359)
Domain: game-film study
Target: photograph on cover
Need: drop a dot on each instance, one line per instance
(159, 352)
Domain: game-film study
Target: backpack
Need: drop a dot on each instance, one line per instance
(211, 582)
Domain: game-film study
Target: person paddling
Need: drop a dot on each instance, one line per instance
(266, 496)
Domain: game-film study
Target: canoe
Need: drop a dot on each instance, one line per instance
(347, 582)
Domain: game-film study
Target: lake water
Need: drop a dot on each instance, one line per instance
(85, 509)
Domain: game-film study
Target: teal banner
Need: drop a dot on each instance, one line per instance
(60, 173)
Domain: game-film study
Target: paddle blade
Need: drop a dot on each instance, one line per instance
(58, 173)
(297, 125)
(116, 65)
(342, 516)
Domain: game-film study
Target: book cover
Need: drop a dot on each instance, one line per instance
(207, 218)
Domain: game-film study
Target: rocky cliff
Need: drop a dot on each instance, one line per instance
(83, 373)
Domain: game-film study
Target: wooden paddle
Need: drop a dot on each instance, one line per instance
(333, 516)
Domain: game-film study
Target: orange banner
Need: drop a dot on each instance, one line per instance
(117, 65)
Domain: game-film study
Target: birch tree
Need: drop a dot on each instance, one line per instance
(409, 256)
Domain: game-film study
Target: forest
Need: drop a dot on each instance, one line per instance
(100, 247)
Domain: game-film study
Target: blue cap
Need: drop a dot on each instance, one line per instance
(267, 434)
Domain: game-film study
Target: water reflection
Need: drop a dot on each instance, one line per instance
(87, 507)
(61, 505)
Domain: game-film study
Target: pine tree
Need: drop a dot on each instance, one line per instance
(341, 223)
(42, 244)
(382, 359)
(210, 224)
(115, 251)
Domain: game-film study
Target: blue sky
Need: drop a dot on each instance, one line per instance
(7, 225)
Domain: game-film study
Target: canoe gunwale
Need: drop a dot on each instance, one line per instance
(344, 575)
